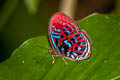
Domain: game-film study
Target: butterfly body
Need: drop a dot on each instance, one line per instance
(67, 40)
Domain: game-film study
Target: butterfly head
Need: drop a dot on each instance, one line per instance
(50, 51)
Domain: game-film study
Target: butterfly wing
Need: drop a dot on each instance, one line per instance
(76, 46)
(66, 39)
(59, 27)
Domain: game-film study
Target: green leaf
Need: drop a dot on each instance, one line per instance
(31, 61)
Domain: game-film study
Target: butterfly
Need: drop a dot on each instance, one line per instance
(67, 40)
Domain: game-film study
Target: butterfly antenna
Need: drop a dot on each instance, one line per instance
(39, 46)
(65, 61)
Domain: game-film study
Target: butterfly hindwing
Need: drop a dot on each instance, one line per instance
(76, 46)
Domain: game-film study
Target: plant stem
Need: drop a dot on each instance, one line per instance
(68, 7)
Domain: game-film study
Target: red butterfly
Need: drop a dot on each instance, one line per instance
(67, 40)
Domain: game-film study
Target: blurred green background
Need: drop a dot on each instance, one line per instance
(24, 19)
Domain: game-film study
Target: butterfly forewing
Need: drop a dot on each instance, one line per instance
(60, 26)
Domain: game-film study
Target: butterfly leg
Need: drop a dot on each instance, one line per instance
(65, 61)
(53, 59)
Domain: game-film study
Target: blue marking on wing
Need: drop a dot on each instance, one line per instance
(75, 40)
(84, 50)
(64, 28)
(82, 54)
(62, 49)
(72, 57)
(53, 42)
(80, 34)
(53, 26)
(55, 33)
(68, 44)
(68, 31)
(55, 29)
(79, 48)
(74, 37)
(68, 52)
(55, 36)
(74, 53)
(71, 28)
(81, 43)
(65, 41)
(83, 38)
(58, 30)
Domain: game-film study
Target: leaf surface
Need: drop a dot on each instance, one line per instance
(31, 61)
